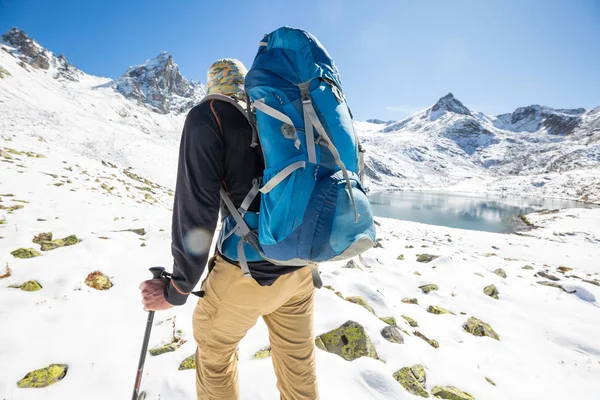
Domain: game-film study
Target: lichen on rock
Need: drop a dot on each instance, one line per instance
(389, 320)
(188, 363)
(438, 310)
(264, 353)
(44, 377)
(42, 237)
(164, 349)
(428, 288)
(500, 272)
(491, 382)
(410, 321)
(361, 302)
(29, 286)
(477, 327)
(349, 341)
(392, 334)
(407, 300)
(425, 258)
(98, 281)
(528, 267)
(413, 380)
(25, 253)
(433, 343)
(491, 291)
(450, 393)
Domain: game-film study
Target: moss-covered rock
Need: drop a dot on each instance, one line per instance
(413, 380)
(438, 310)
(25, 253)
(42, 237)
(98, 281)
(477, 327)
(392, 334)
(319, 344)
(528, 267)
(188, 363)
(407, 300)
(264, 353)
(70, 240)
(389, 320)
(491, 291)
(400, 257)
(168, 348)
(55, 244)
(410, 321)
(491, 382)
(409, 246)
(138, 231)
(425, 258)
(433, 343)
(428, 288)
(44, 377)
(500, 272)
(11, 208)
(450, 393)
(30, 286)
(349, 341)
(361, 302)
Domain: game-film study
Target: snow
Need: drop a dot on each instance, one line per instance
(548, 346)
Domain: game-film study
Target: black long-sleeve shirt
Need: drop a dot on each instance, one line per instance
(215, 151)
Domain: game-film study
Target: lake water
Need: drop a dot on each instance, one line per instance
(491, 213)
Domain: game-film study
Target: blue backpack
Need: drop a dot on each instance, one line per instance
(313, 205)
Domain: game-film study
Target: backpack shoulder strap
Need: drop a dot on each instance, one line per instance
(246, 113)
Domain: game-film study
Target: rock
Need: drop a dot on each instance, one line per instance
(548, 276)
(490, 381)
(400, 257)
(479, 274)
(477, 327)
(551, 284)
(500, 272)
(389, 320)
(407, 300)
(264, 353)
(438, 310)
(410, 246)
(564, 270)
(425, 258)
(410, 321)
(432, 343)
(25, 253)
(361, 302)
(70, 240)
(450, 393)
(528, 267)
(352, 264)
(55, 244)
(349, 341)
(413, 380)
(168, 348)
(319, 344)
(44, 377)
(42, 237)
(139, 231)
(30, 286)
(491, 291)
(495, 247)
(417, 273)
(591, 282)
(98, 281)
(188, 363)
(392, 334)
(428, 288)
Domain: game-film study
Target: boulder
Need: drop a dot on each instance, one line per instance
(500, 272)
(44, 377)
(450, 393)
(428, 288)
(425, 258)
(410, 321)
(349, 341)
(25, 253)
(188, 363)
(392, 334)
(413, 380)
(491, 291)
(98, 281)
(477, 327)
(438, 310)
(361, 302)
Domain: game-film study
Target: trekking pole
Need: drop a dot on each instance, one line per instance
(157, 273)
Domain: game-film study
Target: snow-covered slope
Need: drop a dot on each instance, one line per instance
(554, 152)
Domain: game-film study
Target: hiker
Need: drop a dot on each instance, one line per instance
(216, 151)
(276, 152)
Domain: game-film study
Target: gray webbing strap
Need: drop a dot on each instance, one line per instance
(281, 175)
(226, 99)
(308, 126)
(241, 224)
(308, 107)
(361, 162)
(270, 111)
(249, 197)
(242, 259)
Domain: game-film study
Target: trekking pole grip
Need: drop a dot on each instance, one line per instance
(157, 272)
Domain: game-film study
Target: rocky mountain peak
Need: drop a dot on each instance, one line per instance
(30, 52)
(535, 117)
(449, 103)
(158, 84)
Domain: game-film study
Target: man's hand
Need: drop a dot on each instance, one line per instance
(153, 295)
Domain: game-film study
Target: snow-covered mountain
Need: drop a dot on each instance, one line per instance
(447, 144)
(158, 84)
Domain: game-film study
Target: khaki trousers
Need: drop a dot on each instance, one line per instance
(230, 307)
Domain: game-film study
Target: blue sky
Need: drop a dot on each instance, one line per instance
(395, 56)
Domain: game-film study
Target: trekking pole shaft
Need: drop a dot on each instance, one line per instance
(140, 370)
